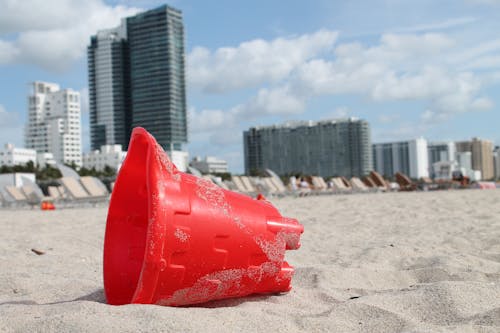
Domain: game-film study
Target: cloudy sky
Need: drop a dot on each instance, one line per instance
(411, 68)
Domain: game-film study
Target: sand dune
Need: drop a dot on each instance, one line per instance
(396, 262)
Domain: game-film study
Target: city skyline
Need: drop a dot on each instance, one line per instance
(410, 70)
(137, 78)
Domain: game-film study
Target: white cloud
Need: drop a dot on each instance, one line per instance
(442, 25)
(56, 33)
(431, 82)
(486, 62)
(341, 112)
(207, 120)
(402, 50)
(8, 52)
(267, 102)
(276, 101)
(474, 55)
(399, 67)
(254, 62)
(42, 15)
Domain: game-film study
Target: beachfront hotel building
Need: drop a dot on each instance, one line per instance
(408, 157)
(54, 124)
(440, 152)
(11, 155)
(482, 155)
(108, 156)
(137, 78)
(209, 164)
(325, 148)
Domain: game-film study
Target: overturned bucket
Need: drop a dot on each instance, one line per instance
(175, 239)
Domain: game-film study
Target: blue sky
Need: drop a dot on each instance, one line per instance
(411, 68)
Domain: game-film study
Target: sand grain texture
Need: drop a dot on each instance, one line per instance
(397, 262)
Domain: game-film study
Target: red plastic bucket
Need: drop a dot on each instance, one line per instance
(175, 239)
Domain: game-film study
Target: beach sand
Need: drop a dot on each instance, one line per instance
(387, 262)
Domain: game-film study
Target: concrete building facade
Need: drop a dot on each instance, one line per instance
(408, 157)
(137, 78)
(209, 164)
(54, 124)
(11, 155)
(496, 158)
(482, 156)
(325, 148)
(109, 155)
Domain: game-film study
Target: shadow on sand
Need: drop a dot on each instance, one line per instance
(98, 296)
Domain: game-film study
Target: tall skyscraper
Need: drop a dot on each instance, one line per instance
(325, 148)
(408, 157)
(109, 94)
(137, 78)
(54, 124)
(482, 155)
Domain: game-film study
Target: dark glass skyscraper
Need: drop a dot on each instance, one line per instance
(109, 101)
(136, 78)
(325, 148)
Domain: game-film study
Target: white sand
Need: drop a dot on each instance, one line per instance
(416, 262)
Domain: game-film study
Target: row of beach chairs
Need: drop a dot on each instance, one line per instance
(69, 191)
(273, 185)
(311, 185)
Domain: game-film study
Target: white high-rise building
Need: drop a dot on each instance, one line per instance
(54, 124)
(408, 157)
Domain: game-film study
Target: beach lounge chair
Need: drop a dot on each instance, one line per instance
(339, 186)
(54, 193)
(271, 188)
(74, 189)
(358, 185)
(57, 193)
(347, 184)
(368, 181)
(238, 184)
(278, 183)
(94, 186)
(276, 180)
(379, 181)
(250, 188)
(319, 183)
(404, 182)
(33, 193)
(14, 196)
